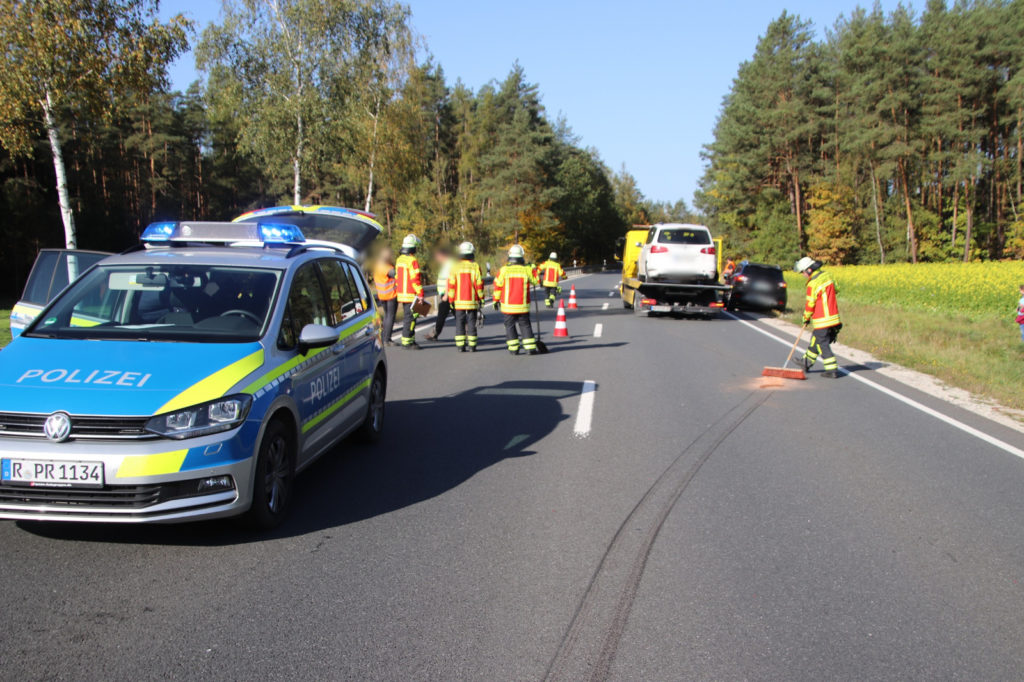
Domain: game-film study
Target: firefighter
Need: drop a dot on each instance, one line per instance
(551, 273)
(822, 312)
(410, 289)
(387, 291)
(728, 271)
(466, 293)
(512, 297)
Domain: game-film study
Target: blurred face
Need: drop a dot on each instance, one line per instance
(440, 256)
(387, 255)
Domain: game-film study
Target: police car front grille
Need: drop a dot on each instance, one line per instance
(132, 497)
(85, 427)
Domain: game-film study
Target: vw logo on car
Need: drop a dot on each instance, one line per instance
(57, 427)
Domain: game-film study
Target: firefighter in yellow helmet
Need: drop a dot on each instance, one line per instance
(550, 273)
(512, 298)
(466, 293)
(821, 311)
(410, 288)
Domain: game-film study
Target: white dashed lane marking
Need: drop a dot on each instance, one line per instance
(604, 307)
(598, 330)
(586, 409)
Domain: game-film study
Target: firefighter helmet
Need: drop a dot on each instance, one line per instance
(803, 264)
(466, 249)
(552, 256)
(516, 252)
(410, 242)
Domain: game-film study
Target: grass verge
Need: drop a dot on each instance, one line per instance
(984, 356)
(5, 323)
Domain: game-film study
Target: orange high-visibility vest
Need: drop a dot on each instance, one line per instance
(407, 278)
(465, 285)
(550, 273)
(821, 304)
(512, 289)
(384, 280)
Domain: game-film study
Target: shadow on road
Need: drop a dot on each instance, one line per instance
(429, 447)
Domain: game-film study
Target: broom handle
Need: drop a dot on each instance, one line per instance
(793, 349)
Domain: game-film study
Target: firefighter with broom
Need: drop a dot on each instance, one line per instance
(821, 311)
(512, 298)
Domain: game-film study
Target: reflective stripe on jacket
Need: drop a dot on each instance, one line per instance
(407, 277)
(384, 280)
(465, 285)
(550, 273)
(821, 303)
(512, 288)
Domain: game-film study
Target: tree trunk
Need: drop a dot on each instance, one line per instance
(956, 211)
(63, 200)
(297, 163)
(969, 210)
(878, 217)
(373, 155)
(911, 230)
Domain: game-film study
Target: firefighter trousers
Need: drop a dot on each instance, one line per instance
(512, 338)
(408, 325)
(465, 328)
(552, 293)
(821, 346)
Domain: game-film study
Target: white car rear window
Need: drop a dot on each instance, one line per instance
(684, 236)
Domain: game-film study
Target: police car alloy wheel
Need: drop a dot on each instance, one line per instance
(275, 473)
(372, 428)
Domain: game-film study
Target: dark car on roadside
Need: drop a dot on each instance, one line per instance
(757, 286)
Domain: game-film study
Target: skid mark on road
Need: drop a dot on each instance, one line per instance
(587, 649)
(585, 413)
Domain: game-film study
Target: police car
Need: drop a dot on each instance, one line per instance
(193, 376)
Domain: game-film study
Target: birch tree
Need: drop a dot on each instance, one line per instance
(87, 52)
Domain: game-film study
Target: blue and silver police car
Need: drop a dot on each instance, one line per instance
(195, 375)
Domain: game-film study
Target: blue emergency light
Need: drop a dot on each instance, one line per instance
(223, 233)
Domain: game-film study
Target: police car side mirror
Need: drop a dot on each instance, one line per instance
(316, 336)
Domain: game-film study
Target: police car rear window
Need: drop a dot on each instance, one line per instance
(167, 302)
(677, 236)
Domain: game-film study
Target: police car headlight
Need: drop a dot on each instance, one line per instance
(222, 414)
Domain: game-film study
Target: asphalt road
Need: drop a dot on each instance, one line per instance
(708, 526)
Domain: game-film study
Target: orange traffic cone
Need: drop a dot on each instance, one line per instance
(572, 298)
(560, 327)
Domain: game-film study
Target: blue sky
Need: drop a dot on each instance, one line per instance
(640, 81)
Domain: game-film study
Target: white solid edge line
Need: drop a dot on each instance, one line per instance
(981, 435)
(598, 330)
(585, 412)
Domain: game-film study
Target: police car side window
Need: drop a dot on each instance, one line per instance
(306, 305)
(343, 299)
(361, 286)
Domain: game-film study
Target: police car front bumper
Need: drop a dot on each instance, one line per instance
(144, 481)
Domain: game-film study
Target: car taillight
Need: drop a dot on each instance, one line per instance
(740, 278)
(709, 250)
(659, 249)
(782, 284)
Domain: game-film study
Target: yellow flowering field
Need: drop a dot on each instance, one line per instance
(976, 290)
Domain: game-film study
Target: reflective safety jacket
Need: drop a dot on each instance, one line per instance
(407, 278)
(384, 280)
(442, 276)
(821, 308)
(550, 273)
(512, 288)
(465, 285)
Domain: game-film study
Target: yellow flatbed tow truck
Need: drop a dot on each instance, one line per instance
(663, 296)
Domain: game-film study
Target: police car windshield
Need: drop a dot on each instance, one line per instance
(197, 303)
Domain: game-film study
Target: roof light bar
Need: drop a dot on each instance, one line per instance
(222, 233)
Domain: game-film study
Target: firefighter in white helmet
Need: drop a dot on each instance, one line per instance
(550, 273)
(821, 311)
(410, 289)
(512, 297)
(466, 293)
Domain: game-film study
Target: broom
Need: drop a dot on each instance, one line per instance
(783, 372)
(542, 347)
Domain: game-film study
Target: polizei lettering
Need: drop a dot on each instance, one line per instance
(96, 377)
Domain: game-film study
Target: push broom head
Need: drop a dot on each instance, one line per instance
(783, 373)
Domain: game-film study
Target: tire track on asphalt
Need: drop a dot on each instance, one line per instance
(587, 649)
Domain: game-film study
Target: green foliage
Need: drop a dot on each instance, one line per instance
(919, 119)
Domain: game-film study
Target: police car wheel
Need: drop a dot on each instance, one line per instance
(373, 425)
(275, 471)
